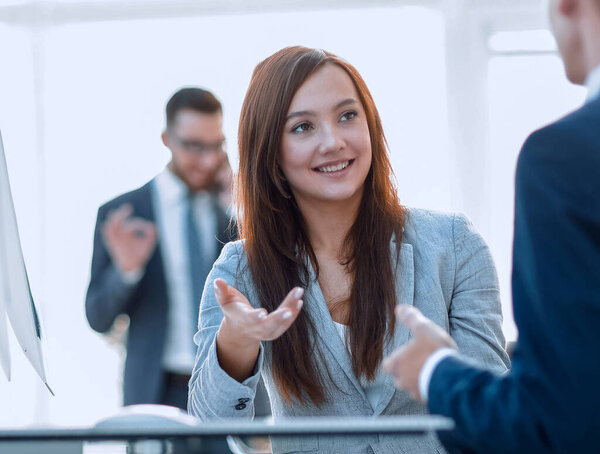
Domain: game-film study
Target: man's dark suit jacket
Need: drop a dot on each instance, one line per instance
(146, 303)
(550, 400)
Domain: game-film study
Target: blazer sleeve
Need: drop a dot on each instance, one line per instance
(549, 401)
(107, 295)
(213, 394)
(475, 313)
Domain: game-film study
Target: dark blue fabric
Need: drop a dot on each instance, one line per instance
(550, 400)
(146, 303)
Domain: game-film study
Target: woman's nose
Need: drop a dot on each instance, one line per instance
(331, 139)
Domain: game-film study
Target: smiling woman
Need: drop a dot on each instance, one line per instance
(306, 299)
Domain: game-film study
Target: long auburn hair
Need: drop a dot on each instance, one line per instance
(276, 243)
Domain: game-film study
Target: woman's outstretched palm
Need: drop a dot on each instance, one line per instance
(256, 324)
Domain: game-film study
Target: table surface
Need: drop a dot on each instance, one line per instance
(152, 426)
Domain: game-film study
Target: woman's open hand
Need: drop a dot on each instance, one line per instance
(256, 324)
(244, 327)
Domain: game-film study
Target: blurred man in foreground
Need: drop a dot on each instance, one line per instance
(550, 400)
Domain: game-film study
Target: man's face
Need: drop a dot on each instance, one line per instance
(197, 145)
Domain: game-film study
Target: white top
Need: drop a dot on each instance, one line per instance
(372, 388)
(170, 194)
(592, 83)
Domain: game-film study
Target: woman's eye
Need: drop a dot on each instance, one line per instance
(351, 114)
(302, 127)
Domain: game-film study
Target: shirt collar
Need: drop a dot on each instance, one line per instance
(592, 83)
(171, 188)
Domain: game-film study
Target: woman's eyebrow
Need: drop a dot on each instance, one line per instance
(346, 102)
(300, 113)
(310, 113)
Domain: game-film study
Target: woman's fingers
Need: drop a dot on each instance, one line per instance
(227, 300)
(257, 323)
(281, 321)
(289, 307)
(221, 289)
(278, 321)
(235, 305)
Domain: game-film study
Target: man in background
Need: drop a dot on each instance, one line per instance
(550, 400)
(154, 246)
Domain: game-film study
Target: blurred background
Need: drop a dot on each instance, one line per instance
(83, 83)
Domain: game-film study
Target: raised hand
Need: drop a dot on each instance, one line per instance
(244, 327)
(130, 241)
(406, 362)
(223, 181)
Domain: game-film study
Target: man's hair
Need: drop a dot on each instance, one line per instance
(192, 98)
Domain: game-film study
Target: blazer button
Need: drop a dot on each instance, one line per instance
(243, 400)
(240, 406)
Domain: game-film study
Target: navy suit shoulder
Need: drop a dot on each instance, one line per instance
(549, 401)
(568, 147)
(140, 198)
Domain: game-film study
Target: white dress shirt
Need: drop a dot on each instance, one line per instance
(170, 198)
(592, 83)
(429, 367)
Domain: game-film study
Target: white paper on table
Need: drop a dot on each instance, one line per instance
(16, 295)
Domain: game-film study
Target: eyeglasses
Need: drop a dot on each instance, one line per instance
(202, 148)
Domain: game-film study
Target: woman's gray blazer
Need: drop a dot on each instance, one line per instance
(445, 269)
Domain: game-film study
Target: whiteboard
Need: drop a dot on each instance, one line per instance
(16, 300)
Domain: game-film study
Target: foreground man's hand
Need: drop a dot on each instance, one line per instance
(406, 362)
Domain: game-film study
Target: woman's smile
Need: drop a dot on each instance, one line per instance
(335, 168)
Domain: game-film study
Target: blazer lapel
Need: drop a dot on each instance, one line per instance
(328, 333)
(144, 207)
(329, 336)
(405, 277)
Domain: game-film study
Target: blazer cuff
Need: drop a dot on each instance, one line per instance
(225, 396)
(429, 368)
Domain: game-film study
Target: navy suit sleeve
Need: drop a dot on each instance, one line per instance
(107, 294)
(549, 401)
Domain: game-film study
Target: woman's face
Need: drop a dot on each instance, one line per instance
(325, 147)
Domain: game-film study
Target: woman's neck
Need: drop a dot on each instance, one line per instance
(328, 223)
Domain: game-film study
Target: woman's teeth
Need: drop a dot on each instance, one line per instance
(335, 168)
